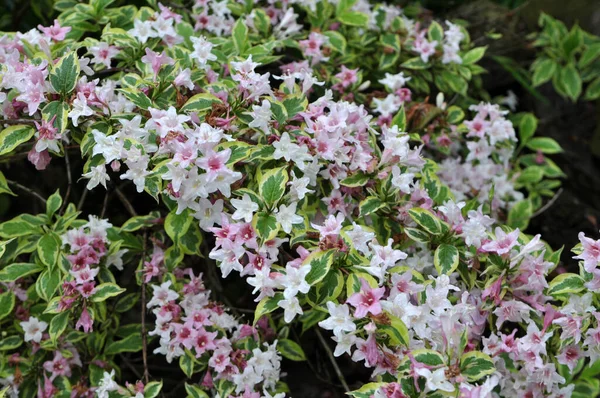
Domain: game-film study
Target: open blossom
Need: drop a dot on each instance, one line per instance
(591, 252)
(339, 319)
(366, 300)
(287, 217)
(103, 53)
(33, 329)
(436, 380)
(245, 208)
(55, 32)
(156, 60)
(503, 242)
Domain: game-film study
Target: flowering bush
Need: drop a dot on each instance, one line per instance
(296, 145)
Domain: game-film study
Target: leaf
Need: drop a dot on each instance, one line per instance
(106, 290)
(266, 225)
(589, 55)
(10, 343)
(57, 109)
(531, 175)
(400, 119)
(475, 365)
(572, 42)
(131, 343)
(48, 282)
(320, 264)
(543, 72)
(58, 324)
(136, 96)
(353, 18)
(138, 222)
(4, 188)
(63, 77)
(266, 306)
(19, 270)
(593, 90)
(357, 179)
(454, 114)
(291, 350)
(519, 214)
(271, 185)
(152, 389)
(545, 145)
(435, 32)
(396, 331)
(336, 41)
(565, 283)
(186, 363)
(446, 259)
(527, 126)
(367, 390)
(428, 357)
(571, 81)
(370, 205)
(415, 63)
(13, 136)
(474, 55)
(199, 103)
(7, 303)
(239, 34)
(177, 225)
(48, 249)
(426, 220)
(53, 204)
(417, 235)
(195, 391)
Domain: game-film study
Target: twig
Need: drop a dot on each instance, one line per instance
(28, 190)
(19, 121)
(125, 202)
(332, 359)
(104, 205)
(144, 337)
(83, 196)
(549, 204)
(69, 181)
(130, 366)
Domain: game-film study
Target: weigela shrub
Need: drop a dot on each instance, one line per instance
(295, 144)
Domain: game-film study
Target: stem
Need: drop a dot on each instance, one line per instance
(332, 359)
(144, 337)
(83, 196)
(125, 202)
(549, 204)
(69, 181)
(28, 190)
(104, 205)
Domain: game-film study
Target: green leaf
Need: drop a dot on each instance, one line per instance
(565, 283)
(589, 55)
(357, 179)
(474, 55)
(571, 81)
(527, 126)
(543, 72)
(63, 77)
(13, 136)
(572, 42)
(294, 105)
(426, 220)
(396, 331)
(186, 363)
(136, 96)
(7, 303)
(415, 63)
(19, 270)
(266, 306)
(593, 90)
(435, 32)
(48, 282)
(61, 111)
(138, 222)
(337, 41)
(240, 36)
(519, 214)
(367, 390)
(48, 249)
(199, 103)
(400, 119)
(195, 391)
(417, 235)
(152, 389)
(262, 22)
(446, 259)
(176, 225)
(271, 185)
(10, 343)
(106, 290)
(454, 114)
(4, 188)
(428, 357)
(475, 365)
(266, 225)
(291, 350)
(531, 175)
(353, 18)
(320, 263)
(58, 324)
(53, 203)
(131, 343)
(545, 145)
(370, 205)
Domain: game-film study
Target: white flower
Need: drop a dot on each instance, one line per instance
(286, 216)
(162, 295)
(394, 82)
(340, 319)
(245, 208)
(261, 116)
(344, 341)
(208, 213)
(291, 307)
(142, 30)
(402, 181)
(298, 187)
(436, 380)
(202, 49)
(33, 329)
(96, 175)
(106, 384)
(294, 281)
(80, 108)
(360, 237)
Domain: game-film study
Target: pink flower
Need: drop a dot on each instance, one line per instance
(157, 60)
(40, 160)
(503, 242)
(366, 300)
(204, 341)
(58, 366)
(56, 32)
(214, 163)
(569, 356)
(85, 321)
(347, 76)
(591, 252)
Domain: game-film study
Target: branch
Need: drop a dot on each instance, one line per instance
(144, 337)
(549, 204)
(125, 202)
(69, 181)
(332, 359)
(28, 190)
(20, 121)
